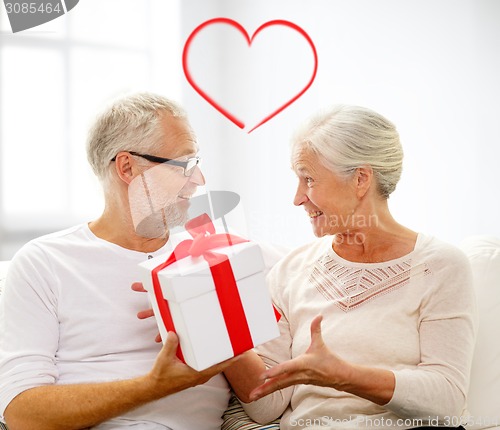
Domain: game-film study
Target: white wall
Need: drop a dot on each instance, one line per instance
(430, 66)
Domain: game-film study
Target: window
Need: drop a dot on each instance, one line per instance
(53, 80)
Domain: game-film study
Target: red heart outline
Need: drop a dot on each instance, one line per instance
(249, 40)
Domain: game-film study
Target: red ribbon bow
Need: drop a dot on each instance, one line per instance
(204, 241)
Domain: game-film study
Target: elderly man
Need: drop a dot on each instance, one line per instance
(72, 352)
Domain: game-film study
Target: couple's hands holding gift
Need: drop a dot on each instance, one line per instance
(317, 366)
(242, 371)
(312, 367)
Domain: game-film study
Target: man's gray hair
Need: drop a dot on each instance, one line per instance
(347, 137)
(131, 123)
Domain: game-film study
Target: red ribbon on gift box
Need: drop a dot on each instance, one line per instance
(204, 241)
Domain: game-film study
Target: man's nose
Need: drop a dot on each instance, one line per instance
(197, 177)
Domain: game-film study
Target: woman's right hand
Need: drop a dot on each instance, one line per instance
(320, 366)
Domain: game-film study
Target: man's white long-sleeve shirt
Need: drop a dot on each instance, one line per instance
(68, 316)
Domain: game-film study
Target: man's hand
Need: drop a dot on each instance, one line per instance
(170, 375)
(86, 405)
(168, 367)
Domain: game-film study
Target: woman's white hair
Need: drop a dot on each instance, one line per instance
(348, 137)
(131, 123)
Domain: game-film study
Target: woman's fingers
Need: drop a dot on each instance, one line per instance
(288, 367)
(299, 370)
(316, 336)
(268, 387)
(278, 377)
(316, 326)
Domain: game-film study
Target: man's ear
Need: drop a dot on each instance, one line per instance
(364, 179)
(125, 167)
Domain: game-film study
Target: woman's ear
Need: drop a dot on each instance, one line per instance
(125, 167)
(364, 179)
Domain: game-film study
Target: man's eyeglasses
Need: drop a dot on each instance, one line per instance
(189, 165)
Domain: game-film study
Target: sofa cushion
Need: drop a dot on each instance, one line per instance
(235, 418)
(3, 273)
(484, 392)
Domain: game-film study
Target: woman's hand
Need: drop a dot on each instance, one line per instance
(317, 366)
(146, 313)
(320, 366)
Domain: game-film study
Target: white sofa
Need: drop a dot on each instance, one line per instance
(484, 391)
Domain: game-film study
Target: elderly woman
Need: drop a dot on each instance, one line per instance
(377, 320)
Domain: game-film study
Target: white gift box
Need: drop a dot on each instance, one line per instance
(193, 302)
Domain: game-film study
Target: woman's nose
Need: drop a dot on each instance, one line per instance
(300, 197)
